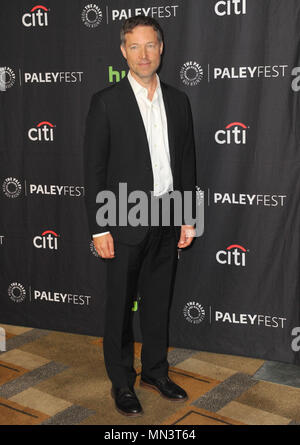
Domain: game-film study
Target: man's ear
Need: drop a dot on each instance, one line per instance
(161, 48)
(123, 51)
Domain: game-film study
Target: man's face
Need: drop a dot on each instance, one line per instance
(142, 50)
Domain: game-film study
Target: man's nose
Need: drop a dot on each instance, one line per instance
(143, 53)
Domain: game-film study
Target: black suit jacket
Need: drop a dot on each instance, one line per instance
(116, 150)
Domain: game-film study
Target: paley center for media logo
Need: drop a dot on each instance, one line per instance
(37, 16)
(11, 187)
(194, 313)
(191, 73)
(17, 294)
(7, 78)
(91, 15)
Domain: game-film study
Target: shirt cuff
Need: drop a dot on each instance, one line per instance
(99, 234)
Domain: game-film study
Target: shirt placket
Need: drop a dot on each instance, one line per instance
(155, 146)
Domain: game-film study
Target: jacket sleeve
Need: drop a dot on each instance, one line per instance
(95, 156)
(188, 166)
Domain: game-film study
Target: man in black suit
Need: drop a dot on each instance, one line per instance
(139, 132)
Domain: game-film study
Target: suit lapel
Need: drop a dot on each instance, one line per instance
(170, 121)
(134, 116)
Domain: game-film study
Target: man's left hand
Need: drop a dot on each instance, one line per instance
(186, 236)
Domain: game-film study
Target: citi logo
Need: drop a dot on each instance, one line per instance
(38, 16)
(234, 255)
(47, 240)
(234, 133)
(43, 132)
(231, 7)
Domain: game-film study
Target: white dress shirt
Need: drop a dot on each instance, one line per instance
(156, 126)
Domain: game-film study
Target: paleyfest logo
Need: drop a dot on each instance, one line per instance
(43, 132)
(17, 294)
(54, 77)
(159, 12)
(269, 321)
(7, 78)
(195, 313)
(250, 72)
(246, 199)
(60, 297)
(191, 73)
(91, 15)
(38, 16)
(73, 191)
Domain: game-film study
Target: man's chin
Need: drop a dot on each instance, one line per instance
(145, 74)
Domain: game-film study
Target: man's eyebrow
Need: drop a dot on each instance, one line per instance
(139, 43)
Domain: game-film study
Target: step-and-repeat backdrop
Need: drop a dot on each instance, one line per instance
(237, 287)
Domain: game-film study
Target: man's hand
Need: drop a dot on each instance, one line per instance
(186, 236)
(105, 245)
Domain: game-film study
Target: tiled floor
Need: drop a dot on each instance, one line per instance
(56, 378)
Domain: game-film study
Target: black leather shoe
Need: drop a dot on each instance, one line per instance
(166, 387)
(126, 401)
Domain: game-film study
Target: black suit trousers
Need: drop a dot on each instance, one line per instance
(147, 269)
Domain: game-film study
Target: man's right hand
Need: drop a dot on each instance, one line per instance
(104, 245)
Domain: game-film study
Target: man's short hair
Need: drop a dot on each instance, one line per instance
(140, 20)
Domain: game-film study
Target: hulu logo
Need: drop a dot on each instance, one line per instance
(114, 75)
(135, 306)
